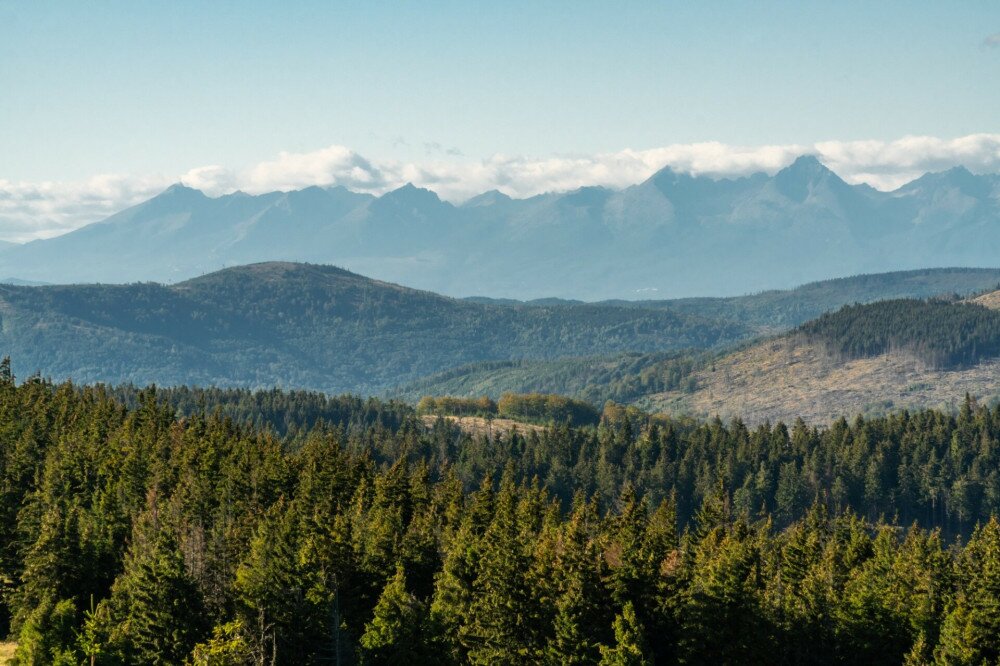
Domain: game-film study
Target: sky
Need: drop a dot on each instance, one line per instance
(103, 104)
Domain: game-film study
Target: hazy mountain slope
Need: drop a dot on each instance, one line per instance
(673, 235)
(306, 326)
(22, 283)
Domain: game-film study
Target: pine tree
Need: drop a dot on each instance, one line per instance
(572, 642)
(502, 622)
(47, 636)
(722, 614)
(451, 604)
(274, 590)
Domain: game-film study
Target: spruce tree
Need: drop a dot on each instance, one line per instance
(502, 622)
(395, 636)
(628, 649)
(971, 631)
(154, 614)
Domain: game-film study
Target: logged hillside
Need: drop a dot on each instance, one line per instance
(306, 326)
(628, 377)
(861, 359)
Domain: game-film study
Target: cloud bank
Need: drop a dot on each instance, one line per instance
(41, 210)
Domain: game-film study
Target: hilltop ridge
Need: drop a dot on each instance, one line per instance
(307, 326)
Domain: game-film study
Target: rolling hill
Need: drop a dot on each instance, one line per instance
(627, 377)
(673, 235)
(781, 309)
(325, 328)
(307, 326)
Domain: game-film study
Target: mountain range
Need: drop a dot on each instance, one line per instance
(672, 235)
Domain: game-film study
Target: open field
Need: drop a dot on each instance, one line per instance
(476, 425)
(7, 652)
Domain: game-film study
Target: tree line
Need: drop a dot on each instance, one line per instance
(544, 408)
(943, 334)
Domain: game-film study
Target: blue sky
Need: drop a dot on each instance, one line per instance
(157, 89)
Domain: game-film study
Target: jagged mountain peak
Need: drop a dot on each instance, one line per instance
(181, 190)
(488, 198)
(671, 232)
(587, 196)
(411, 194)
(956, 178)
(797, 180)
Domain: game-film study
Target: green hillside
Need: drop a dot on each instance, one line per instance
(307, 326)
(629, 377)
(622, 377)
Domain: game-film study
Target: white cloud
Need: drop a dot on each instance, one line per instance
(38, 210)
(889, 164)
(42, 210)
(335, 165)
(212, 180)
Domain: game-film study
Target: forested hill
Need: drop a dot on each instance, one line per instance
(307, 326)
(866, 358)
(629, 376)
(939, 333)
(783, 309)
(780, 309)
(320, 327)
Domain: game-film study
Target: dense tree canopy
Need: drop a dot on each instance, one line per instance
(131, 532)
(943, 334)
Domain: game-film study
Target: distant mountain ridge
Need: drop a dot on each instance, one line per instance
(673, 235)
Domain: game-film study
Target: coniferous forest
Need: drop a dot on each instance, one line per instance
(940, 333)
(499, 334)
(227, 527)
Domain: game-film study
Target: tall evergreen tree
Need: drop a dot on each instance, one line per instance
(154, 614)
(396, 634)
(628, 649)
